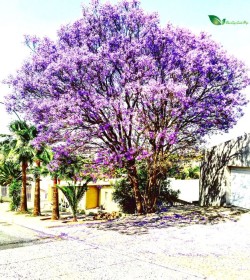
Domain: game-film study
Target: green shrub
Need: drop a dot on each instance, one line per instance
(91, 214)
(81, 211)
(124, 195)
(15, 195)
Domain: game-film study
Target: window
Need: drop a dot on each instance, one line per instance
(106, 196)
(3, 191)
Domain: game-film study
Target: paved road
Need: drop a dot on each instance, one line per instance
(220, 251)
(195, 252)
(13, 236)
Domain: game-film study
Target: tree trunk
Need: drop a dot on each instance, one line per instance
(152, 191)
(133, 177)
(23, 202)
(74, 217)
(37, 207)
(152, 194)
(55, 201)
(74, 210)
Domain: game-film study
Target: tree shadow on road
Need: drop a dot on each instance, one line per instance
(174, 217)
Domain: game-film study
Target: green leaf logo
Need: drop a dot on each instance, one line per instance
(216, 20)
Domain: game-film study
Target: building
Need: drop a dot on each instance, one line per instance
(225, 174)
(98, 195)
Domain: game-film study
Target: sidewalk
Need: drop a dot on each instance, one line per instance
(39, 223)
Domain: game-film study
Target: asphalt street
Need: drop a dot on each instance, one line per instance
(31, 251)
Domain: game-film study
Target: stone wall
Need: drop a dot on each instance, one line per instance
(215, 186)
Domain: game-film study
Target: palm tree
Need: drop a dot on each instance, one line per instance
(74, 193)
(24, 134)
(42, 157)
(18, 146)
(9, 171)
(10, 175)
(37, 204)
(70, 171)
(55, 196)
(55, 199)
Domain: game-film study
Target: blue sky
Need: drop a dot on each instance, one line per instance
(44, 17)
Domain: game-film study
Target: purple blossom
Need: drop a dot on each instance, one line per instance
(118, 86)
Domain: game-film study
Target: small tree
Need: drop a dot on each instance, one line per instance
(74, 193)
(15, 194)
(124, 195)
(70, 169)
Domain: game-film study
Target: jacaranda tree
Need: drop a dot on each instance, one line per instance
(119, 86)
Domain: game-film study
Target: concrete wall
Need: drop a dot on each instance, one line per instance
(46, 184)
(106, 199)
(215, 183)
(189, 189)
(4, 193)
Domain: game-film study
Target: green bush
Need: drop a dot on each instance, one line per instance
(91, 214)
(124, 195)
(15, 195)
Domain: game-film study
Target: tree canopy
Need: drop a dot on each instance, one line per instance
(117, 85)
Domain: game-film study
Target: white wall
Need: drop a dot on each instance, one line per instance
(106, 199)
(189, 189)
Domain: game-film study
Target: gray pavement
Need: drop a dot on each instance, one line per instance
(219, 251)
(12, 236)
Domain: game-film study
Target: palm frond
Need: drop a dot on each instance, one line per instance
(74, 193)
(9, 171)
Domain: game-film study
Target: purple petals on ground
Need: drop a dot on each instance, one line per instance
(175, 217)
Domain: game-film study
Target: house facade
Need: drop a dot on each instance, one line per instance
(98, 195)
(225, 174)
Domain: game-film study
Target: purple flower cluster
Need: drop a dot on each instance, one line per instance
(118, 86)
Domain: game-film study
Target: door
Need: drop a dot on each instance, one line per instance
(240, 187)
(92, 197)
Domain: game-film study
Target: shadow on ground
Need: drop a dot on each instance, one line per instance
(174, 216)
